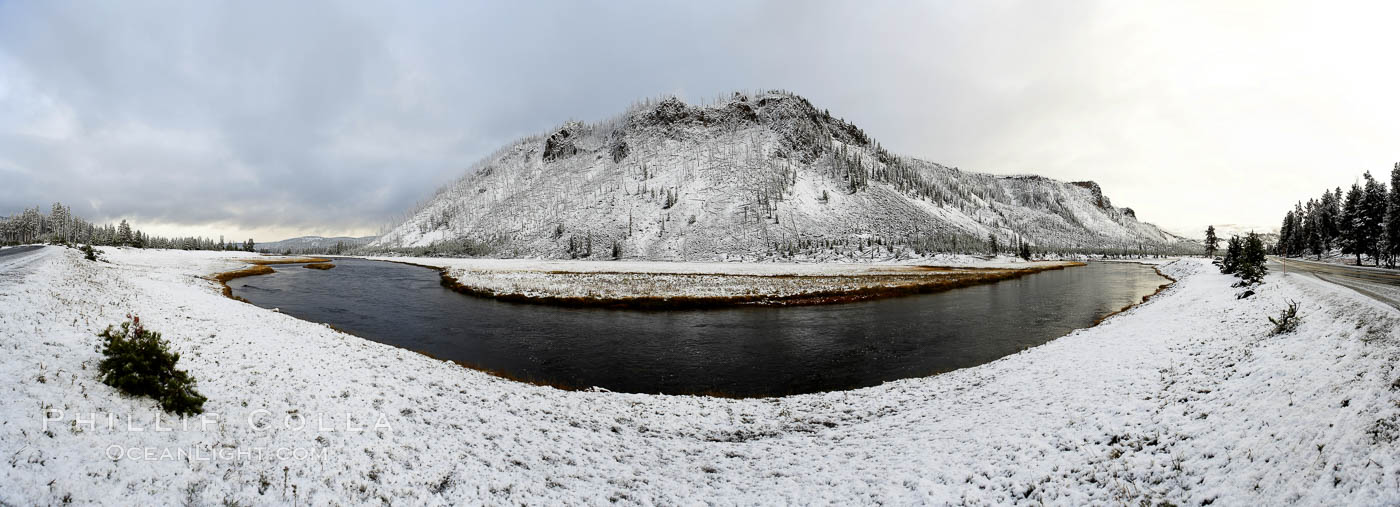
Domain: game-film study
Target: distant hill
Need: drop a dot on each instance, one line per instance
(760, 176)
(1227, 230)
(1223, 231)
(311, 244)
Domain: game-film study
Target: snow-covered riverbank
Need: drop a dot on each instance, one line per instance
(1183, 399)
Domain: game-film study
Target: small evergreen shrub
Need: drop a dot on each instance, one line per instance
(89, 252)
(1287, 320)
(1252, 259)
(138, 362)
(1245, 258)
(1233, 251)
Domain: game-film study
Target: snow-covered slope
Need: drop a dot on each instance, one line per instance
(1184, 400)
(1224, 231)
(311, 242)
(753, 176)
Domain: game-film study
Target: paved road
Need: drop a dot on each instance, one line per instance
(7, 252)
(1380, 284)
(13, 261)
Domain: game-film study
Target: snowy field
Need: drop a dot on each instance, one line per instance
(1183, 399)
(621, 281)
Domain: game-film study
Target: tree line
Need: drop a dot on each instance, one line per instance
(1364, 221)
(61, 226)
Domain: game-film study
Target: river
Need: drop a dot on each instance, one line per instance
(740, 351)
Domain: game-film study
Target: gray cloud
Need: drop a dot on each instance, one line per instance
(330, 117)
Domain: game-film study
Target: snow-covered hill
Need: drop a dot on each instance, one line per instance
(754, 176)
(311, 243)
(1227, 230)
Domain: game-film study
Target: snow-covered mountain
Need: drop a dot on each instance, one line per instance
(302, 243)
(752, 176)
(1227, 230)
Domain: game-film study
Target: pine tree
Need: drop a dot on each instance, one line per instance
(1286, 233)
(1251, 269)
(1328, 216)
(1350, 224)
(1373, 211)
(1231, 262)
(1212, 242)
(1392, 217)
(58, 216)
(139, 362)
(1298, 241)
(123, 234)
(1312, 235)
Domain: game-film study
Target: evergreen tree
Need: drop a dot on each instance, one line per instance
(1298, 242)
(139, 362)
(1251, 269)
(992, 239)
(1312, 237)
(1212, 242)
(1350, 224)
(1230, 263)
(58, 216)
(1328, 209)
(1373, 211)
(123, 234)
(1392, 217)
(1286, 233)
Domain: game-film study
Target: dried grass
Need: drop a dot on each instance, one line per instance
(852, 288)
(290, 260)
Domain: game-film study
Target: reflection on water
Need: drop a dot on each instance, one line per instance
(738, 351)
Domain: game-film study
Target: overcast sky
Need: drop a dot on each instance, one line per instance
(286, 118)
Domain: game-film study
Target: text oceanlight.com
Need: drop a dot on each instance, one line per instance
(116, 452)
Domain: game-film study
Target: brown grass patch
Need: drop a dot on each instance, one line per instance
(906, 285)
(259, 267)
(224, 277)
(319, 265)
(290, 260)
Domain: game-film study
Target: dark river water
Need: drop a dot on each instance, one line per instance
(759, 351)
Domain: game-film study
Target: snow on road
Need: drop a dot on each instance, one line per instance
(15, 257)
(15, 262)
(1382, 284)
(1183, 399)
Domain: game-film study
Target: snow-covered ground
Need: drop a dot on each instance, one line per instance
(631, 280)
(1182, 399)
